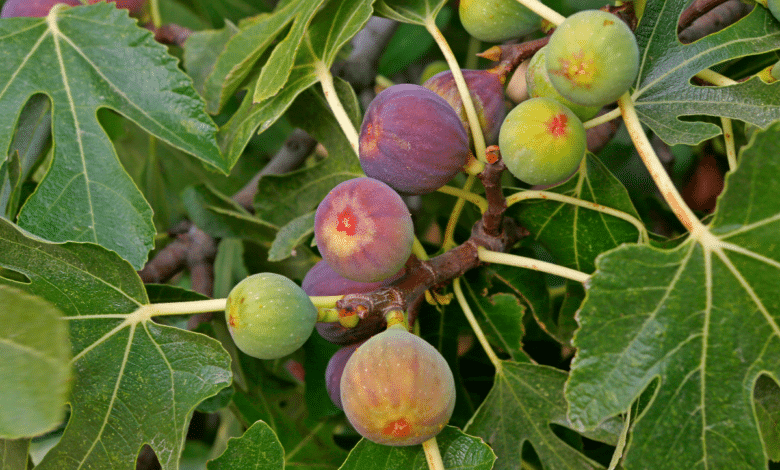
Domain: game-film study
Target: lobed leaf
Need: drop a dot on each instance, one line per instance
(258, 449)
(135, 381)
(524, 401)
(664, 91)
(92, 56)
(702, 317)
(577, 235)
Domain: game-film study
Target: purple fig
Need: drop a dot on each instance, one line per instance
(412, 139)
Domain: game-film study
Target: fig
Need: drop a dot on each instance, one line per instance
(323, 280)
(487, 92)
(364, 230)
(40, 8)
(397, 389)
(269, 316)
(31, 8)
(412, 139)
(335, 370)
(542, 141)
(539, 85)
(497, 20)
(592, 58)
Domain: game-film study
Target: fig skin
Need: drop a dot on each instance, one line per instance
(592, 58)
(542, 141)
(40, 8)
(323, 280)
(397, 389)
(269, 316)
(412, 139)
(364, 230)
(539, 85)
(497, 20)
(487, 92)
(335, 370)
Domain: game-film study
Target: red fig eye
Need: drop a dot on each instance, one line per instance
(347, 222)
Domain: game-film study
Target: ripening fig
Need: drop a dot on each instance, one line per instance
(592, 58)
(323, 280)
(542, 141)
(487, 92)
(412, 139)
(335, 370)
(364, 230)
(269, 316)
(539, 85)
(497, 20)
(40, 8)
(397, 389)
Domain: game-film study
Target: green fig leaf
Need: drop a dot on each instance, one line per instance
(458, 451)
(135, 381)
(664, 91)
(34, 364)
(701, 317)
(258, 449)
(92, 56)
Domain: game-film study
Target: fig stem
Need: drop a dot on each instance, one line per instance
(621, 444)
(463, 90)
(475, 325)
(728, 137)
(531, 263)
(154, 10)
(432, 454)
(728, 132)
(325, 301)
(184, 308)
(327, 315)
(475, 199)
(449, 232)
(526, 195)
(599, 120)
(326, 80)
(657, 171)
(419, 251)
(543, 10)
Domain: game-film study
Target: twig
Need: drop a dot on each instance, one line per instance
(696, 10)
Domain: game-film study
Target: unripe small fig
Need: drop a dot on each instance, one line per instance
(497, 20)
(269, 316)
(323, 280)
(364, 230)
(592, 58)
(432, 69)
(517, 89)
(542, 141)
(539, 85)
(487, 92)
(412, 139)
(397, 389)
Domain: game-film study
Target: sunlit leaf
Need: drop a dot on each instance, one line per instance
(136, 381)
(92, 56)
(702, 317)
(664, 91)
